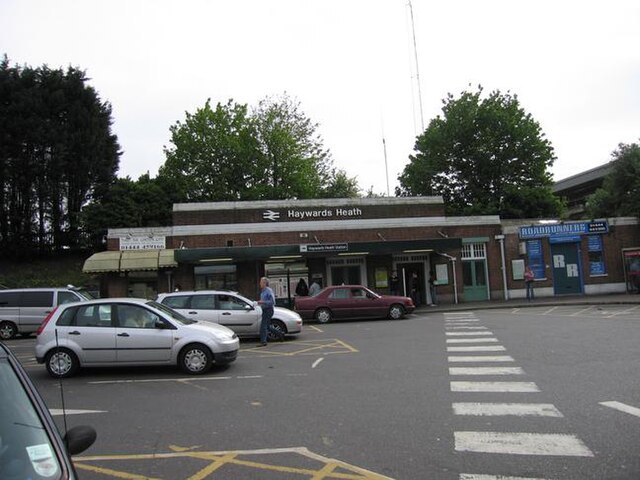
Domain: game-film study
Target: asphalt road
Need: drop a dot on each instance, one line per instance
(541, 392)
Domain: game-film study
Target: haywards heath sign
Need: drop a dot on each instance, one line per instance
(578, 228)
(324, 247)
(293, 214)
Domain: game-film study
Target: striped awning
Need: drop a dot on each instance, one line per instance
(129, 260)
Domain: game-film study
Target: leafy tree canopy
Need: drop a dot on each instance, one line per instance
(56, 153)
(620, 192)
(484, 156)
(231, 153)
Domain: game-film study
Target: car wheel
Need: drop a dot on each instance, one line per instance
(280, 327)
(323, 315)
(195, 359)
(61, 363)
(7, 330)
(396, 312)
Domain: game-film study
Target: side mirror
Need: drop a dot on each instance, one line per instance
(79, 438)
(255, 304)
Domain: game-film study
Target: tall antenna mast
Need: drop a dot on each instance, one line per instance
(415, 55)
(386, 166)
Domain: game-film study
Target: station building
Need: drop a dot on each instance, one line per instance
(230, 245)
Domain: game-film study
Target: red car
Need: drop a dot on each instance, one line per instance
(351, 301)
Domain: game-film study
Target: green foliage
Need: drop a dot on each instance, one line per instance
(56, 153)
(484, 156)
(272, 152)
(620, 192)
(59, 271)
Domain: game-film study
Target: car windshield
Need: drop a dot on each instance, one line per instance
(26, 450)
(84, 294)
(170, 312)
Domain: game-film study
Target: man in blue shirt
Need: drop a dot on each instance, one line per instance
(267, 302)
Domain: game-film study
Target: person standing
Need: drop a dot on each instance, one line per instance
(415, 289)
(302, 290)
(394, 283)
(314, 288)
(432, 288)
(528, 282)
(267, 302)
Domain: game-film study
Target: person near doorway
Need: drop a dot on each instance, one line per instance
(394, 283)
(314, 288)
(267, 302)
(432, 288)
(415, 289)
(528, 282)
(302, 290)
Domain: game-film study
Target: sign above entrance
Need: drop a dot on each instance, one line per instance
(294, 214)
(143, 242)
(578, 228)
(324, 248)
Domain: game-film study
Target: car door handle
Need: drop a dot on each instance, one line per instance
(75, 332)
(226, 313)
(193, 313)
(125, 334)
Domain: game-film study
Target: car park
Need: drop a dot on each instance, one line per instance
(131, 332)
(232, 310)
(352, 301)
(22, 310)
(30, 445)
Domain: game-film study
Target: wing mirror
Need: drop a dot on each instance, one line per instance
(79, 438)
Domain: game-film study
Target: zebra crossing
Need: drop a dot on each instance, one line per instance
(478, 364)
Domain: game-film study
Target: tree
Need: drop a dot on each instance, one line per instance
(56, 153)
(271, 152)
(620, 192)
(484, 156)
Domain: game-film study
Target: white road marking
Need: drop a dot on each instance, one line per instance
(622, 407)
(472, 476)
(500, 409)
(467, 328)
(317, 362)
(461, 320)
(486, 371)
(159, 380)
(59, 411)
(478, 348)
(467, 334)
(472, 340)
(521, 444)
(480, 358)
(503, 387)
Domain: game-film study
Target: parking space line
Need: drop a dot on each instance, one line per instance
(574, 314)
(622, 407)
(495, 387)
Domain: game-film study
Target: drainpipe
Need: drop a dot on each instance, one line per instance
(500, 239)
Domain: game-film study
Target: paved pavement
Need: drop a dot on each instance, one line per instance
(613, 299)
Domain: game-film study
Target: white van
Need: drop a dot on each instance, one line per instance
(22, 310)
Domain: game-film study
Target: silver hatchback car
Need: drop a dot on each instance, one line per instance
(230, 309)
(129, 331)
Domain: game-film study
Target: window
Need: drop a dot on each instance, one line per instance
(229, 302)
(36, 299)
(358, 293)
(179, 301)
(67, 297)
(203, 302)
(340, 293)
(133, 316)
(596, 255)
(9, 299)
(94, 316)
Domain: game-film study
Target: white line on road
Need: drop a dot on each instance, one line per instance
(159, 380)
(472, 340)
(467, 334)
(466, 328)
(59, 411)
(500, 409)
(317, 362)
(502, 387)
(486, 371)
(473, 476)
(521, 444)
(478, 348)
(622, 407)
(460, 320)
(481, 358)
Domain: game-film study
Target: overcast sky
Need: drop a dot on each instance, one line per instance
(575, 66)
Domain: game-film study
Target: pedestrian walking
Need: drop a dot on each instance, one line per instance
(267, 302)
(415, 289)
(394, 283)
(432, 289)
(301, 289)
(314, 288)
